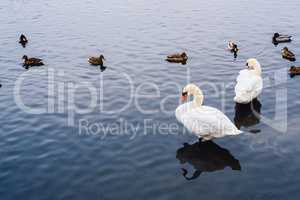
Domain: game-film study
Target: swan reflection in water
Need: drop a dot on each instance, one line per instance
(247, 114)
(206, 157)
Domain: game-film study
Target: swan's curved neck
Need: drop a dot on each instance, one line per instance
(257, 71)
(198, 96)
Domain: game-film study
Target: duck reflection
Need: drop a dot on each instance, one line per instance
(102, 68)
(206, 157)
(247, 114)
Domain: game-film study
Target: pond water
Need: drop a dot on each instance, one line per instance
(123, 141)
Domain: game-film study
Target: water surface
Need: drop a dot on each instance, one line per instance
(42, 157)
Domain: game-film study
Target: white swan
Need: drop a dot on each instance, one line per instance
(204, 121)
(249, 82)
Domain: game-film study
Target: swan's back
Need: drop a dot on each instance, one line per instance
(248, 86)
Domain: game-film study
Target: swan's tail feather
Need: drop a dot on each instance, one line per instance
(240, 99)
(235, 132)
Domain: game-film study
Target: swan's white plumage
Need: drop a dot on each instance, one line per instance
(204, 121)
(249, 85)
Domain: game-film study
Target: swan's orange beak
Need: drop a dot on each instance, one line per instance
(184, 97)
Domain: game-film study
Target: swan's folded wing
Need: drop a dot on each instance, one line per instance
(248, 83)
(208, 121)
(181, 110)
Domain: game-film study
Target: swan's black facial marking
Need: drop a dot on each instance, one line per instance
(247, 65)
(184, 96)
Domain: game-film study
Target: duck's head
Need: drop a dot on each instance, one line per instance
(276, 35)
(253, 64)
(183, 55)
(235, 49)
(23, 39)
(101, 57)
(285, 49)
(25, 57)
(292, 68)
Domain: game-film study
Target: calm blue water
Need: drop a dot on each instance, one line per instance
(46, 156)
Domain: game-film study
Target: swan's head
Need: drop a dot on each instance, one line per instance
(253, 64)
(192, 89)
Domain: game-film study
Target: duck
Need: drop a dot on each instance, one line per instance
(23, 40)
(233, 48)
(280, 38)
(97, 60)
(287, 54)
(177, 58)
(205, 122)
(205, 157)
(29, 62)
(294, 70)
(249, 82)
